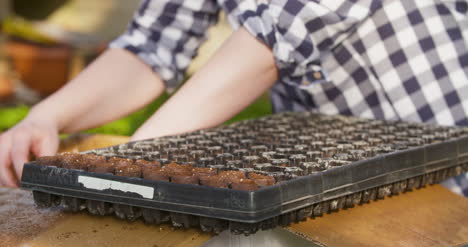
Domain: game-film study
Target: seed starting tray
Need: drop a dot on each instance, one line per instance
(319, 163)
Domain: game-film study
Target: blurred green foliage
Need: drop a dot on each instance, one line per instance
(127, 125)
(18, 27)
(9, 116)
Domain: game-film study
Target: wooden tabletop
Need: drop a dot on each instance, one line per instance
(431, 216)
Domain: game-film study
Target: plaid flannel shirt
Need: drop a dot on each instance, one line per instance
(385, 59)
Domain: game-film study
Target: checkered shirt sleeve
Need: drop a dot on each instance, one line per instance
(299, 32)
(166, 34)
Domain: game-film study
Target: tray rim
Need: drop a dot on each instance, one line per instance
(266, 202)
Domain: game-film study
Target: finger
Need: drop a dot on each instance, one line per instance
(7, 177)
(45, 146)
(20, 152)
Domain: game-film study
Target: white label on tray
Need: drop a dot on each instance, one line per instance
(104, 184)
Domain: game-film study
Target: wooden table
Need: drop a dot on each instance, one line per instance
(432, 216)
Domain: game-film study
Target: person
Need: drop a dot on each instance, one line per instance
(383, 59)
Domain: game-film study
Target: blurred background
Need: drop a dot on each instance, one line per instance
(45, 43)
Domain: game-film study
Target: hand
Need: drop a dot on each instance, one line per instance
(81, 104)
(239, 72)
(33, 135)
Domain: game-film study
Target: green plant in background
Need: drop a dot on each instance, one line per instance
(127, 125)
(19, 27)
(9, 116)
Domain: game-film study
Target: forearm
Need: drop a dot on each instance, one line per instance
(114, 85)
(239, 72)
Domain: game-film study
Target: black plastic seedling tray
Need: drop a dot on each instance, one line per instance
(397, 164)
